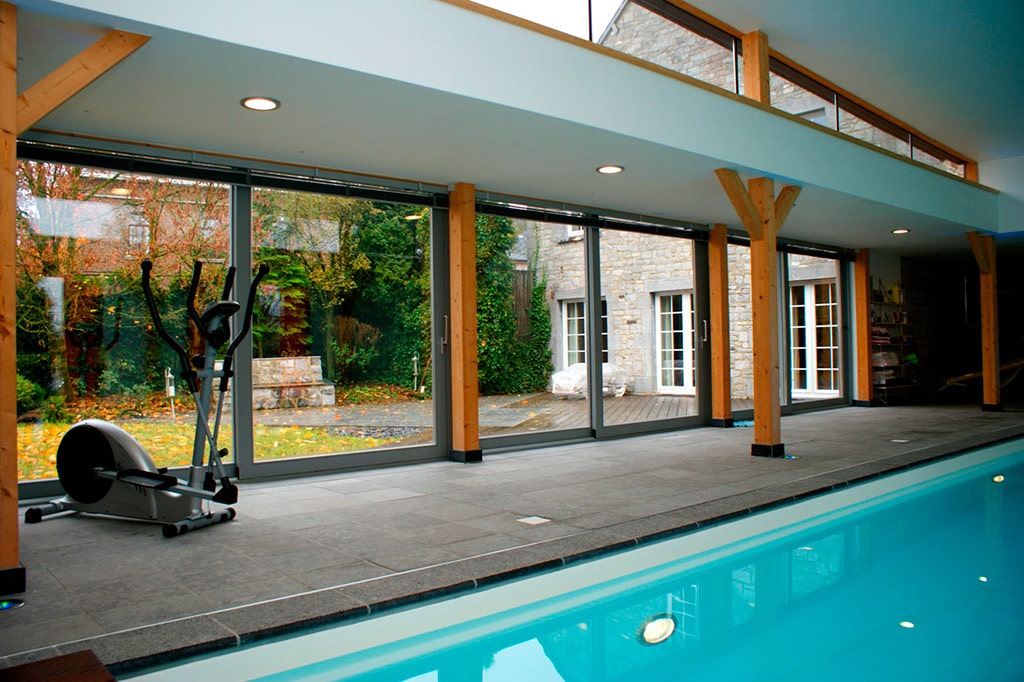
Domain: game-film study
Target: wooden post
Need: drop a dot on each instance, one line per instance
(721, 385)
(465, 389)
(755, 67)
(862, 328)
(765, 295)
(762, 214)
(17, 114)
(971, 171)
(984, 249)
(12, 574)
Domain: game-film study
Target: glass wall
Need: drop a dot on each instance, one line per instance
(672, 38)
(344, 332)
(855, 126)
(648, 288)
(85, 340)
(741, 329)
(796, 98)
(532, 326)
(342, 356)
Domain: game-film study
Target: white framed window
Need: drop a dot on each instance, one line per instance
(575, 331)
(814, 339)
(677, 356)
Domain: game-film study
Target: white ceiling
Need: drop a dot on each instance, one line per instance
(918, 61)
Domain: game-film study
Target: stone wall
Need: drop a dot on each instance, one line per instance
(643, 34)
(290, 382)
(635, 268)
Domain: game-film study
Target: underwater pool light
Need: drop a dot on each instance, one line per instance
(906, 624)
(998, 478)
(657, 629)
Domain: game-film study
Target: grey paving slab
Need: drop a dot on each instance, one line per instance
(317, 549)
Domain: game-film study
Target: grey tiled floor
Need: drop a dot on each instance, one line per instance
(344, 545)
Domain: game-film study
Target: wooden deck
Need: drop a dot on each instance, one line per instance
(547, 412)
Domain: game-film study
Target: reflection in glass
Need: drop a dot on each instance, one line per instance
(85, 343)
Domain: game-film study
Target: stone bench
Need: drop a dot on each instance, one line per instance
(290, 382)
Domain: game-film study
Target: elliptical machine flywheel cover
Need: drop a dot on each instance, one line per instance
(82, 450)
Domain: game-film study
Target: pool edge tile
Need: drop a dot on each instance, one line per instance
(155, 644)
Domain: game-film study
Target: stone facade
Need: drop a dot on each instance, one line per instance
(648, 36)
(635, 269)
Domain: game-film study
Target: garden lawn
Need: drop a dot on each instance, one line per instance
(170, 443)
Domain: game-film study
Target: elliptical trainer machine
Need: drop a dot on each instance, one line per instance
(104, 470)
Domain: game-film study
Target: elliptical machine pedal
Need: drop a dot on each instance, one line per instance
(104, 470)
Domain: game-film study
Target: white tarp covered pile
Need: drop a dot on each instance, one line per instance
(573, 380)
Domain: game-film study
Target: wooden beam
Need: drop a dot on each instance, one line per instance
(862, 328)
(721, 386)
(784, 203)
(765, 312)
(741, 202)
(984, 248)
(10, 571)
(982, 251)
(755, 67)
(463, 327)
(79, 71)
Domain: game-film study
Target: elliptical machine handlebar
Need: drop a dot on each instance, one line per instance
(215, 336)
(246, 325)
(187, 373)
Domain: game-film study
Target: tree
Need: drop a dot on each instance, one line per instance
(81, 234)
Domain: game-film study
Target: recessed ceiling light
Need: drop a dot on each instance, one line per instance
(610, 169)
(901, 230)
(260, 103)
(657, 629)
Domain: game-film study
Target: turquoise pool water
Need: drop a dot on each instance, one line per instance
(916, 576)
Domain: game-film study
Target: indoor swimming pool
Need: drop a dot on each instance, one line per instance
(914, 576)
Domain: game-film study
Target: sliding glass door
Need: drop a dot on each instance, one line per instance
(344, 360)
